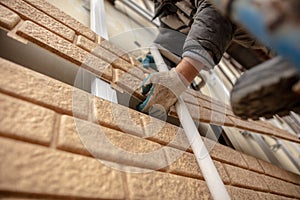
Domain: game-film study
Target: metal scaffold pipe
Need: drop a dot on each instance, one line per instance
(276, 23)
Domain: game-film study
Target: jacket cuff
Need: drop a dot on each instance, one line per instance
(201, 56)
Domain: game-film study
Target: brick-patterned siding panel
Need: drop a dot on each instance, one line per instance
(222, 172)
(100, 49)
(214, 117)
(117, 117)
(246, 194)
(110, 55)
(65, 49)
(224, 154)
(185, 164)
(250, 126)
(104, 54)
(280, 187)
(84, 137)
(275, 171)
(206, 98)
(26, 121)
(246, 179)
(164, 133)
(113, 48)
(253, 163)
(128, 82)
(27, 168)
(8, 19)
(241, 194)
(61, 165)
(59, 15)
(203, 103)
(68, 137)
(269, 196)
(86, 44)
(26, 11)
(162, 186)
(205, 115)
(121, 64)
(40, 89)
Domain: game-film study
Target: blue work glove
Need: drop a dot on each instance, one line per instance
(162, 90)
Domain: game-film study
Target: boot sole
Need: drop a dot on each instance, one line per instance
(266, 90)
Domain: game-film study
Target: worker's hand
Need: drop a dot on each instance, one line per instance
(162, 90)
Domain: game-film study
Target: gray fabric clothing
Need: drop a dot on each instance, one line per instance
(208, 32)
(171, 39)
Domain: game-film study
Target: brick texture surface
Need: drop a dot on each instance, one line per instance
(90, 139)
(253, 163)
(224, 154)
(205, 115)
(246, 194)
(86, 44)
(247, 125)
(138, 72)
(282, 188)
(103, 53)
(206, 98)
(112, 56)
(185, 164)
(106, 54)
(128, 82)
(37, 88)
(121, 64)
(76, 135)
(240, 193)
(246, 179)
(214, 117)
(113, 48)
(274, 171)
(26, 11)
(62, 17)
(26, 121)
(269, 196)
(8, 19)
(50, 41)
(69, 138)
(209, 104)
(222, 172)
(117, 117)
(65, 49)
(164, 133)
(158, 185)
(119, 52)
(38, 170)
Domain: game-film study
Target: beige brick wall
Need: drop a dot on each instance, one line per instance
(48, 27)
(58, 142)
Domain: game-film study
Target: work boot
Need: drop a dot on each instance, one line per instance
(266, 90)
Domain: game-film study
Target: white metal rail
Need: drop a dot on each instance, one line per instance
(209, 171)
(98, 25)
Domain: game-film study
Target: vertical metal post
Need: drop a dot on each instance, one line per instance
(98, 18)
(98, 25)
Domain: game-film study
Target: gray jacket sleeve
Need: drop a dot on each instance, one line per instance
(209, 36)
